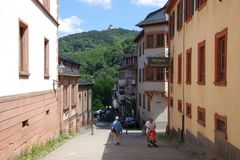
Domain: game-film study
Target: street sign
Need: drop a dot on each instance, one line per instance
(158, 62)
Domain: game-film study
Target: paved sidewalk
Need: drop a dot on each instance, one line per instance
(100, 146)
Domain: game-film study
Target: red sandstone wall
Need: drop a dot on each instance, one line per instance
(32, 107)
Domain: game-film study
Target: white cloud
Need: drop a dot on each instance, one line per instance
(106, 4)
(70, 25)
(158, 3)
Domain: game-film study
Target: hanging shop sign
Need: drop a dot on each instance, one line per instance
(158, 62)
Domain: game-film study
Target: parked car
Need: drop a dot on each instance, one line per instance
(107, 114)
(129, 120)
(96, 113)
(110, 114)
(122, 119)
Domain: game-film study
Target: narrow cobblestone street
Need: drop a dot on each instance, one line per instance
(100, 146)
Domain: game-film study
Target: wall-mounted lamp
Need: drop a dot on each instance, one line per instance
(54, 83)
(60, 71)
(61, 68)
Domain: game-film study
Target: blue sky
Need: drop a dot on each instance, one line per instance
(84, 15)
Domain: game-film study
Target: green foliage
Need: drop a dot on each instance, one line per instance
(113, 56)
(102, 89)
(93, 39)
(39, 150)
(97, 104)
(129, 46)
(100, 54)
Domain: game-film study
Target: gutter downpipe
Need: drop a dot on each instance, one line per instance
(183, 83)
(169, 83)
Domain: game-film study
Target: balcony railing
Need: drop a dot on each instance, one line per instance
(69, 71)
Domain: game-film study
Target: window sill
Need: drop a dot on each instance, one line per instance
(74, 105)
(201, 82)
(189, 116)
(188, 83)
(179, 82)
(220, 83)
(66, 109)
(201, 123)
(221, 134)
(179, 29)
(24, 74)
(46, 76)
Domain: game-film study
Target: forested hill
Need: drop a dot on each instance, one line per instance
(81, 41)
(100, 54)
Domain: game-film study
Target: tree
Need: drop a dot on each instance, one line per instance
(100, 54)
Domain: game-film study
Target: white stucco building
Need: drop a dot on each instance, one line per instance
(152, 80)
(40, 25)
(29, 111)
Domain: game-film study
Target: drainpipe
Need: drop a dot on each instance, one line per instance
(183, 77)
(60, 98)
(169, 83)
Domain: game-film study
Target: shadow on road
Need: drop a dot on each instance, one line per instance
(128, 148)
(133, 146)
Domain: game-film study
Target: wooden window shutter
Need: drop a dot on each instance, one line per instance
(179, 68)
(188, 66)
(197, 5)
(185, 10)
(171, 80)
(178, 16)
(191, 7)
(173, 22)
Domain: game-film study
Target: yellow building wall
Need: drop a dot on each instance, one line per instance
(224, 100)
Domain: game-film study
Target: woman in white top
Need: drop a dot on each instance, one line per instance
(150, 125)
